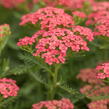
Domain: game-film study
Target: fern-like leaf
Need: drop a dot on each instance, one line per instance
(32, 60)
(39, 78)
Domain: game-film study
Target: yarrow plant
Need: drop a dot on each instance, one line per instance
(54, 44)
(55, 37)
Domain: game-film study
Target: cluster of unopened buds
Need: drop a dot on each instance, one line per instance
(8, 87)
(56, 35)
(54, 104)
(4, 31)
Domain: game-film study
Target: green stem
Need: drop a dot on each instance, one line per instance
(53, 83)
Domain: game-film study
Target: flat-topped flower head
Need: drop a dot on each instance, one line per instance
(103, 70)
(10, 3)
(49, 18)
(8, 87)
(53, 45)
(54, 104)
(57, 34)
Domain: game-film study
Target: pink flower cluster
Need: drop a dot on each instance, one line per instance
(100, 104)
(95, 90)
(26, 41)
(4, 30)
(99, 18)
(54, 104)
(10, 3)
(8, 87)
(49, 18)
(89, 75)
(103, 70)
(55, 37)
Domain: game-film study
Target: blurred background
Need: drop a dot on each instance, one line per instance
(32, 91)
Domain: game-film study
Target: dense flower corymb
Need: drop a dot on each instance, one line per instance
(56, 35)
(49, 18)
(8, 87)
(10, 3)
(53, 45)
(100, 21)
(54, 104)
